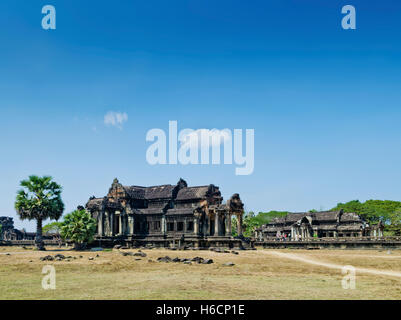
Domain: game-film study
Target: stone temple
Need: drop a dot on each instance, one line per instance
(324, 224)
(166, 215)
(8, 232)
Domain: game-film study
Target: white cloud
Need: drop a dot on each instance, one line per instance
(115, 119)
(205, 137)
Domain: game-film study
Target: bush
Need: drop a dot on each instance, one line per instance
(79, 227)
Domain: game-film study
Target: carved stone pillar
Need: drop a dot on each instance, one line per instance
(111, 224)
(120, 224)
(228, 225)
(196, 226)
(106, 224)
(163, 225)
(100, 224)
(239, 225)
(216, 225)
(131, 225)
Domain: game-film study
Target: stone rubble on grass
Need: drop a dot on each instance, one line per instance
(198, 260)
(164, 259)
(46, 258)
(140, 254)
(126, 253)
(57, 257)
(207, 261)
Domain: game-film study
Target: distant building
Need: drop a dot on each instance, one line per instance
(8, 231)
(161, 213)
(325, 224)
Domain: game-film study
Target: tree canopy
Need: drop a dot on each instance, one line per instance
(39, 199)
(54, 227)
(372, 211)
(79, 227)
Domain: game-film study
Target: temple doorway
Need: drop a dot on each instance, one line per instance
(116, 224)
(211, 227)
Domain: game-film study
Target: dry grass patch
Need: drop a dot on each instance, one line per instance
(256, 275)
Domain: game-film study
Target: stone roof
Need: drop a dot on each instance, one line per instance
(189, 193)
(159, 196)
(150, 193)
(135, 192)
(325, 215)
(348, 216)
(94, 203)
(293, 217)
(159, 192)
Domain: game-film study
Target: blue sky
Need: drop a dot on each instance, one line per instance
(324, 102)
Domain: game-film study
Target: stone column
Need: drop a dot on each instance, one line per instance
(106, 223)
(100, 224)
(230, 232)
(196, 226)
(112, 224)
(163, 225)
(228, 225)
(216, 225)
(131, 225)
(239, 226)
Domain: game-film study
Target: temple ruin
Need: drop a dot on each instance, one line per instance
(325, 224)
(166, 215)
(8, 232)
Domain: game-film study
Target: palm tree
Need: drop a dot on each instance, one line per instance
(79, 227)
(40, 199)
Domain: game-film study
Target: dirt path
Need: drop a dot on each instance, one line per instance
(331, 265)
